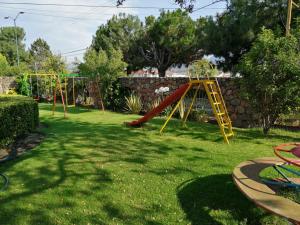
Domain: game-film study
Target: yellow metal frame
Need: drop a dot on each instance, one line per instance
(217, 103)
(291, 4)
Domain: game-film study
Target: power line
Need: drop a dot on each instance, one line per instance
(77, 54)
(86, 6)
(77, 50)
(205, 6)
(66, 17)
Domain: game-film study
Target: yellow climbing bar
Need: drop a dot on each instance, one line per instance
(216, 101)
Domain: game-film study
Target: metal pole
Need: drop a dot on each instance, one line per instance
(16, 37)
(74, 103)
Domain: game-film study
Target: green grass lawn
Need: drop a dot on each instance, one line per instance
(91, 169)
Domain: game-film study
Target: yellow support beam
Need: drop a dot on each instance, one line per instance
(176, 107)
(217, 103)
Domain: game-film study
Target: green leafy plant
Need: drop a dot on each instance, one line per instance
(182, 109)
(202, 68)
(271, 76)
(104, 68)
(153, 104)
(23, 85)
(134, 104)
(199, 116)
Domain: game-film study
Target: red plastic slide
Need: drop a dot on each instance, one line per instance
(164, 104)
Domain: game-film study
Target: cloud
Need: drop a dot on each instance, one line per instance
(64, 28)
(70, 28)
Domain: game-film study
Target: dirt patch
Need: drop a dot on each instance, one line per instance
(21, 145)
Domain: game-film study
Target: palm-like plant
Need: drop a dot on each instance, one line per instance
(134, 104)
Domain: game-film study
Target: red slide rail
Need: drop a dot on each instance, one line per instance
(164, 104)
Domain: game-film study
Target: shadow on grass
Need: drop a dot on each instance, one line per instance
(60, 109)
(71, 156)
(201, 199)
(77, 161)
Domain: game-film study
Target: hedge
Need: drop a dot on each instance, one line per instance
(18, 115)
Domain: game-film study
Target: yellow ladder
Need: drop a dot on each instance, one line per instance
(217, 103)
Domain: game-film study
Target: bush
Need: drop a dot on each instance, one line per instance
(271, 76)
(134, 104)
(114, 98)
(18, 115)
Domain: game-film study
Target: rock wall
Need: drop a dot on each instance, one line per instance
(7, 83)
(239, 110)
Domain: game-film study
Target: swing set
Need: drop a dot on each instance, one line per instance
(55, 85)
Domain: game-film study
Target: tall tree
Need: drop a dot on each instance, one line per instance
(168, 40)
(104, 67)
(39, 53)
(8, 44)
(120, 32)
(232, 32)
(271, 76)
(55, 64)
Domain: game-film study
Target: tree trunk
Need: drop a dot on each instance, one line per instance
(266, 124)
(161, 72)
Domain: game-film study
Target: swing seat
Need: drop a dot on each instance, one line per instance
(296, 151)
(37, 98)
(291, 148)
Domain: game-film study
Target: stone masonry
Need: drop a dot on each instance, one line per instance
(239, 110)
(7, 83)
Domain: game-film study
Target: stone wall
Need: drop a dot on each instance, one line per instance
(239, 110)
(7, 83)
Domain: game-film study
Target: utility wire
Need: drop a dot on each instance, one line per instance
(66, 17)
(59, 11)
(86, 5)
(205, 6)
(77, 50)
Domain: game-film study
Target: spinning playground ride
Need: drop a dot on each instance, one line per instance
(263, 191)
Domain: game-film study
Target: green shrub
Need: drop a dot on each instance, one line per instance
(18, 115)
(152, 105)
(199, 116)
(114, 97)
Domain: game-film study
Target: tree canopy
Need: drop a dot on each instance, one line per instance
(39, 53)
(106, 65)
(120, 32)
(8, 44)
(271, 76)
(232, 32)
(168, 40)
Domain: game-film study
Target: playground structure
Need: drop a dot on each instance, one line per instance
(261, 191)
(214, 94)
(57, 87)
(56, 84)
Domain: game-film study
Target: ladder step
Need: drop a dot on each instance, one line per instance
(213, 92)
(217, 103)
(210, 82)
(224, 124)
(220, 114)
(229, 135)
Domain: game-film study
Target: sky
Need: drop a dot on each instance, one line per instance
(68, 29)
